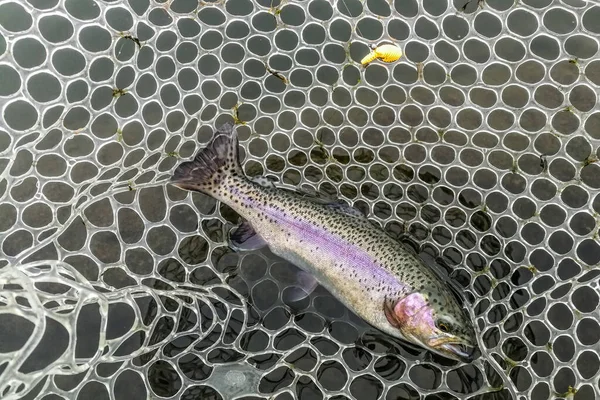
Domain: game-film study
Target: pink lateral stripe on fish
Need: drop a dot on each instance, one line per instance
(362, 266)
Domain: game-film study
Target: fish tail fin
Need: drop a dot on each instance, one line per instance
(212, 165)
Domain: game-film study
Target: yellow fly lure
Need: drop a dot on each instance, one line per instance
(387, 52)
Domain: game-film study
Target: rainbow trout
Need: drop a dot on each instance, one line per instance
(367, 270)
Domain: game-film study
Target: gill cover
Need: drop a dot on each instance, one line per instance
(446, 334)
(403, 313)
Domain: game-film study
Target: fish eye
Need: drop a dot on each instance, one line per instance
(443, 327)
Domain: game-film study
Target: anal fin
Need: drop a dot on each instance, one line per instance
(245, 238)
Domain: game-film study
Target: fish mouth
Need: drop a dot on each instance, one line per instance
(460, 351)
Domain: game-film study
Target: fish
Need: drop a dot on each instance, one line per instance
(386, 52)
(372, 274)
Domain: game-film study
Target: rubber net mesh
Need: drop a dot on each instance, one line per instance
(481, 145)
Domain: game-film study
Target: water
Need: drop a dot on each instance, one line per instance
(478, 149)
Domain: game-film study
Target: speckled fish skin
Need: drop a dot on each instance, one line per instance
(367, 270)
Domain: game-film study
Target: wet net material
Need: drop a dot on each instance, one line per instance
(479, 147)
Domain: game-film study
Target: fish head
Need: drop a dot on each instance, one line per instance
(436, 322)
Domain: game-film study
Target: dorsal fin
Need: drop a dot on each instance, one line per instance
(337, 205)
(264, 181)
(344, 208)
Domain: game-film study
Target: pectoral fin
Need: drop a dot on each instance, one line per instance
(244, 238)
(304, 286)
